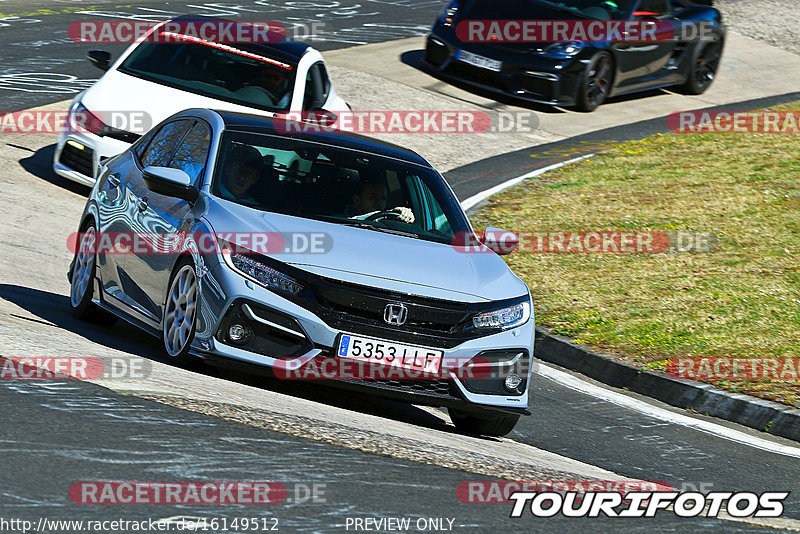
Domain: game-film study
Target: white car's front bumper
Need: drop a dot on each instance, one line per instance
(78, 155)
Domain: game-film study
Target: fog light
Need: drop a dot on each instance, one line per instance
(513, 381)
(239, 333)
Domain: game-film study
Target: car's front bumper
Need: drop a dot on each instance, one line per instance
(224, 291)
(539, 80)
(78, 155)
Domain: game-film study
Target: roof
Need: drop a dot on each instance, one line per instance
(288, 49)
(259, 124)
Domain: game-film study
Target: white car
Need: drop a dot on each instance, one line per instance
(155, 79)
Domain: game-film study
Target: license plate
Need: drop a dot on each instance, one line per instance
(479, 61)
(389, 353)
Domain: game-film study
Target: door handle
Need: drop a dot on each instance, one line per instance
(142, 204)
(113, 180)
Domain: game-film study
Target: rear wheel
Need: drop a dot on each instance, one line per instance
(180, 311)
(595, 83)
(81, 291)
(704, 69)
(487, 425)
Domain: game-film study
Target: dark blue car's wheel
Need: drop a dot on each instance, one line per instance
(704, 69)
(596, 82)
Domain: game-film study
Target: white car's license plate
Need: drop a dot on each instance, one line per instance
(378, 351)
(479, 61)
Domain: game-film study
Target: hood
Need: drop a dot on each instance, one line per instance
(508, 10)
(378, 259)
(120, 92)
(512, 10)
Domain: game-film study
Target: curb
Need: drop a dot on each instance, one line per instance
(764, 415)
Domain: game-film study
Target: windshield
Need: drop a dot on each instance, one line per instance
(323, 182)
(247, 76)
(597, 9)
(548, 9)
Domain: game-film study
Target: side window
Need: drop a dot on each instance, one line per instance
(161, 148)
(192, 153)
(326, 81)
(317, 87)
(142, 144)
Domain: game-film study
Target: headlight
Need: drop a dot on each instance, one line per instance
(564, 50)
(248, 266)
(448, 14)
(83, 120)
(504, 318)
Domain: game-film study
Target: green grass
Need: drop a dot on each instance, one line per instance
(742, 300)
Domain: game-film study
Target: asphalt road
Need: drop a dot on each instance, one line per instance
(55, 434)
(40, 64)
(62, 432)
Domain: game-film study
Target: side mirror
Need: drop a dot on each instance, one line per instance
(501, 241)
(99, 58)
(170, 182)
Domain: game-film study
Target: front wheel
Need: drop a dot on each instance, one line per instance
(595, 83)
(703, 70)
(487, 425)
(81, 289)
(180, 311)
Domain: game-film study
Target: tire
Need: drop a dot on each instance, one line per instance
(180, 312)
(84, 268)
(487, 425)
(595, 83)
(703, 69)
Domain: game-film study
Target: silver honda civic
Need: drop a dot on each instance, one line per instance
(321, 255)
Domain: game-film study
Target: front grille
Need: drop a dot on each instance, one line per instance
(433, 388)
(539, 86)
(359, 309)
(463, 70)
(78, 160)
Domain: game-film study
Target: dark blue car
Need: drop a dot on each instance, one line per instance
(579, 73)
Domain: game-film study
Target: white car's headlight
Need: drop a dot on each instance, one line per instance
(247, 265)
(504, 318)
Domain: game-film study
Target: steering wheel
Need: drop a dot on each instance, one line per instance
(382, 214)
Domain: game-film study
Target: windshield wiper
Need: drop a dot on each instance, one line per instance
(384, 229)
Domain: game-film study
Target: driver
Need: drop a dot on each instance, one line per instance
(371, 199)
(271, 83)
(242, 170)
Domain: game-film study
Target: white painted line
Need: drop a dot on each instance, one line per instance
(483, 195)
(626, 401)
(620, 399)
